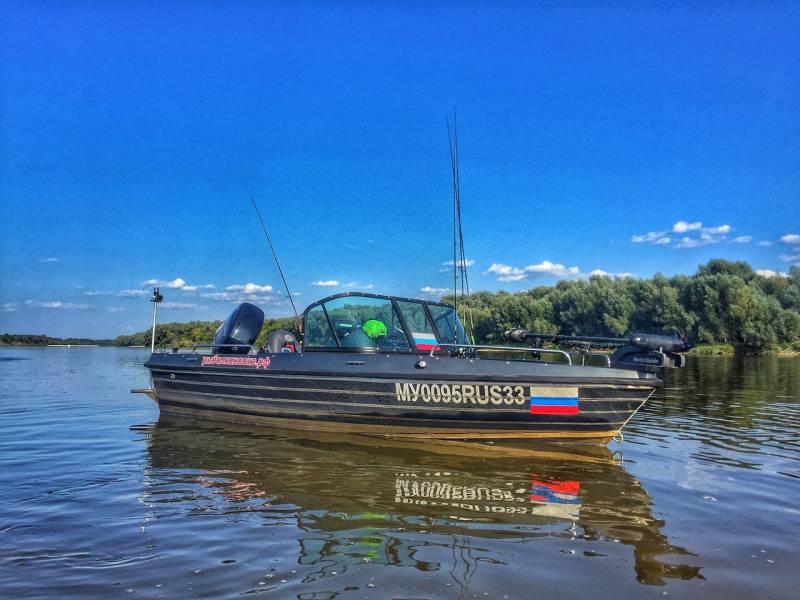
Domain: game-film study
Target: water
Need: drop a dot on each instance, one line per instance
(102, 500)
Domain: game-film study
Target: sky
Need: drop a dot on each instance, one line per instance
(614, 137)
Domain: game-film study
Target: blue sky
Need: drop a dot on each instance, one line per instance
(132, 138)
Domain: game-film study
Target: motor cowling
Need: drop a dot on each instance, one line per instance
(645, 360)
(238, 332)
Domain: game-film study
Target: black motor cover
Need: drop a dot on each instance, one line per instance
(645, 360)
(240, 329)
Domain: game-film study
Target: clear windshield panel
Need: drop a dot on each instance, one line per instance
(448, 324)
(421, 330)
(318, 332)
(361, 322)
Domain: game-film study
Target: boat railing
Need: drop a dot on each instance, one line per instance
(250, 347)
(505, 349)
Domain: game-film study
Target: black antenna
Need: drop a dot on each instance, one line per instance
(277, 262)
(459, 256)
(455, 210)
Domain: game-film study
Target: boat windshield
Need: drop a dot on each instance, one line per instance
(382, 323)
(448, 324)
(363, 322)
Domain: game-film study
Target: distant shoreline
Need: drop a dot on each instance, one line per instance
(29, 339)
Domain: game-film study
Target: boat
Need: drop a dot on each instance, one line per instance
(405, 368)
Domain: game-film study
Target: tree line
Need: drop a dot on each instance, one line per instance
(722, 303)
(30, 339)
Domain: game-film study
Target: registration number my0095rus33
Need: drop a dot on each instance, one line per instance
(487, 394)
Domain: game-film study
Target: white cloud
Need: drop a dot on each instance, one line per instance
(764, 243)
(448, 265)
(434, 291)
(132, 293)
(706, 238)
(238, 297)
(545, 268)
(170, 305)
(10, 307)
(770, 273)
(653, 237)
(721, 230)
(57, 304)
(178, 284)
(742, 239)
(687, 242)
(791, 238)
(354, 284)
(707, 235)
(326, 283)
(250, 288)
(98, 293)
(601, 273)
(50, 259)
(683, 226)
(115, 309)
(790, 258)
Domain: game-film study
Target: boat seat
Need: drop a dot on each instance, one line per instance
(358, 339)
(282, 341)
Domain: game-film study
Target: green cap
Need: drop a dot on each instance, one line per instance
(374, 328)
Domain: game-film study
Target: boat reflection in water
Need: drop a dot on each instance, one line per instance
(357, 499)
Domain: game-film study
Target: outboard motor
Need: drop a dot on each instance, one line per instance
(650, 352)
(238, 332)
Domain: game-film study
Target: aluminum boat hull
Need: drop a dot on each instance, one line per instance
(450, 398)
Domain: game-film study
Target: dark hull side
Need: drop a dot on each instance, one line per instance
(389, 395)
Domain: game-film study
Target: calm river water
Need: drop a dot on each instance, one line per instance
(100, 499)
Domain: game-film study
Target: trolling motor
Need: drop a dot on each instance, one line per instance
(641, 350)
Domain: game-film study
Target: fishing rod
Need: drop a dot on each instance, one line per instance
(640, 340)
(277, 263)
(455, 212)
(459, 256)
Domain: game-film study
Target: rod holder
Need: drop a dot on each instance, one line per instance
(156, 299)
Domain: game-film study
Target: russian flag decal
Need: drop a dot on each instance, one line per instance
(424, 341)
(554, 400)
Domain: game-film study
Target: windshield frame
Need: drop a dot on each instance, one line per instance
(393, 299)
